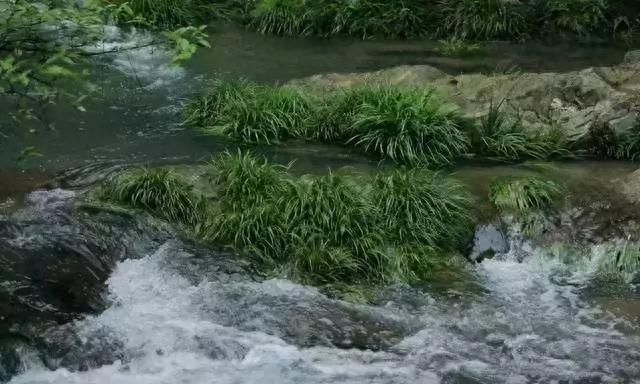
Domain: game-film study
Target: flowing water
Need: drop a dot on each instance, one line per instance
(96, 297)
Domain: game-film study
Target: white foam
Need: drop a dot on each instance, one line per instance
(526, 326)
(136, 54)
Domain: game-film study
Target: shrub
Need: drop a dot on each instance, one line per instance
(250, 113)
(409, 126)
(481, 19)
(422, 208)
(581, 17)
(523, 194)
(161, 192)
(502, 137)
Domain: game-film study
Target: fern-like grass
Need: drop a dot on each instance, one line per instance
(250, 113)
(165, 14)
(621, 260)
(502, 137)
(408, 126)
(422, 208)
(579, 17)
(279, 17)
(161, 192)
(371, 18)
(243, 181)
(523, 194)
(481, 19)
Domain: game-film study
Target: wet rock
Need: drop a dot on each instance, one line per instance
(16, 355)
(632, 57)
(303, 316)
(630, 187)
(572, 100)
(55, 260)
(64, 347)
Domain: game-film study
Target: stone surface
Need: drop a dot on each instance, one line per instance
(572, 100)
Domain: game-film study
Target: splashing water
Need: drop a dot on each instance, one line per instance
(138, 55)
(530, 326)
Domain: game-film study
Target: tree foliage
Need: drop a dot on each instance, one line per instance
(45, 48)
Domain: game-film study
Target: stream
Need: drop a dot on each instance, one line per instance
(100, 297)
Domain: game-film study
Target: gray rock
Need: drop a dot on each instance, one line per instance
(572, 100)
(632, 57)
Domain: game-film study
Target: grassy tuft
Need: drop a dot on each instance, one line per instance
(329, 208)
(481, 19)
(161, 192)
(363, 19)
(421, 207)
(249, 112)
(620, 260)
(523, 194)
(242, 180)
(165, 14)
(280, 17)
(627, 146)
(408, 126)
(371, 18)
(579, 17)
(334, 228)
(500, 136)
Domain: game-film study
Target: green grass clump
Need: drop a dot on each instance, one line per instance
(328, 223)
(422, 208)
(161, 192)
(330, 230)
(371, 18)
(165, 14)
(620, 260)
(244, 181)
(279, 17)
(579, 17)
(523, 194)
(481, 19)
(500, 136)
(408, 126)
(626, 146)
(336, 228)
(250, 113)
(360, 18)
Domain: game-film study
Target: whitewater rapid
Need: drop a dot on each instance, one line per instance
(528, 325)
